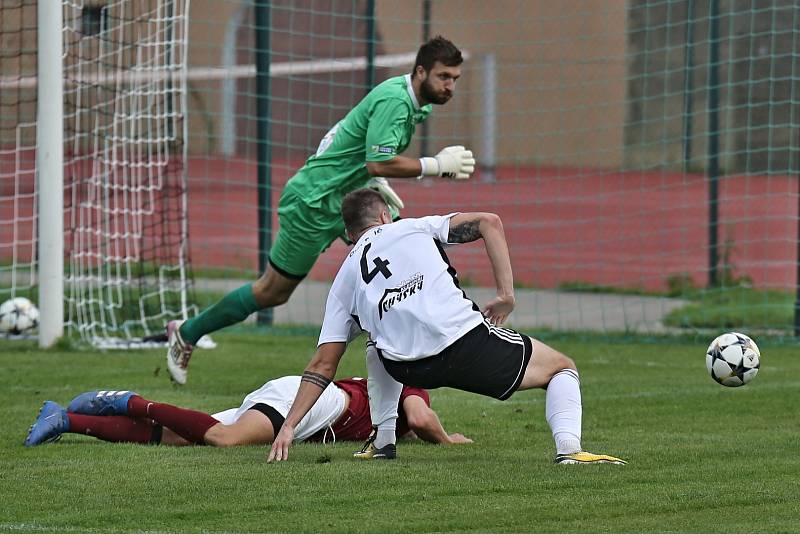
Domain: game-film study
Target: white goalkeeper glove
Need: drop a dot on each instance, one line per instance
(381, 185)
(452, 162)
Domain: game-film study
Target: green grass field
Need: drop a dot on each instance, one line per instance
(702, 458)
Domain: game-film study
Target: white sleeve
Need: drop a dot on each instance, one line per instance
(338, 325)
(437, 226)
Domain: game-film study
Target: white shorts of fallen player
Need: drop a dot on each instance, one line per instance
(279, 394)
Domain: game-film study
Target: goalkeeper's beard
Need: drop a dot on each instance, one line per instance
(429, 94)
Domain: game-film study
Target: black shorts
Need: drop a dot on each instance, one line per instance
(487, 360)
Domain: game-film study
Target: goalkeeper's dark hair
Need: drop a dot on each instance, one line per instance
(437, 49)
(360, 209)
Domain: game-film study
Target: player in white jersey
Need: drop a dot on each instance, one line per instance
(398, 285)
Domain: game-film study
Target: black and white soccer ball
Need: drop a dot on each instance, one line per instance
(18, 316)
(733, 359)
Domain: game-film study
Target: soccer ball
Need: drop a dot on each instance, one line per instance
(733, 359)
(18, 315)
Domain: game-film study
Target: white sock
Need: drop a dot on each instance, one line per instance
(384, 396)
(563, 410)
(386, 435)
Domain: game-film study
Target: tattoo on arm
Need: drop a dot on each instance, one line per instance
(465, 232)
(316, 379)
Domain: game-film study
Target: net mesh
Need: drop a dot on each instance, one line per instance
(17, 151)
(125, 167)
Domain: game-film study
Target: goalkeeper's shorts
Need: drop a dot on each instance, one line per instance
(305, 232)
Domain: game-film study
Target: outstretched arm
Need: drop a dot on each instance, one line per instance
(397, 167)
(317, 376)
(453, 162)
(466, 227)
(424, 422)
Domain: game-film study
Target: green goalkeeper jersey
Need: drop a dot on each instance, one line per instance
(377, 129)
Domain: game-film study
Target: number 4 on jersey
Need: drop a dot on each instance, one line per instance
(381, 266)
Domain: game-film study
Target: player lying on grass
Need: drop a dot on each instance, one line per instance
(342, 413)
(397, 284)
(366, 144)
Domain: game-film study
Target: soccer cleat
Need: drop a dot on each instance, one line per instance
(178, 353)
(51, 422)
(370, 452)
(101, 403)
(583, 457)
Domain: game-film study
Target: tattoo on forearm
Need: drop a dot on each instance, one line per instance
(316, 379)
(465, 232)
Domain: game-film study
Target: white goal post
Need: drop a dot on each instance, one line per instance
(50, 172)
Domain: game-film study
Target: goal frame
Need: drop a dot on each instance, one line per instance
(50, 171)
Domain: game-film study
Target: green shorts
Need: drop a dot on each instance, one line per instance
(304, 233)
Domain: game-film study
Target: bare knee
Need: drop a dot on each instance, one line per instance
(565, 362)
(558, 362)
(220, 436)
(544, 364)
(550, 360)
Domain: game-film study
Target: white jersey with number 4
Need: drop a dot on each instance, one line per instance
(397, 285)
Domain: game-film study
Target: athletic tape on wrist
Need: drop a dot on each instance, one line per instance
(428, 164)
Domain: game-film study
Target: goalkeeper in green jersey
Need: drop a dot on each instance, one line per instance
(360, 150)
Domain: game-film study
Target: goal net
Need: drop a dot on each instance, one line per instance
(125, 221)
(125, 103)
(18, 201)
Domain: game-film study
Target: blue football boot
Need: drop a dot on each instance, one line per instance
(51, 422)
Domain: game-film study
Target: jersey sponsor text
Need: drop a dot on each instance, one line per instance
(394, 295)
